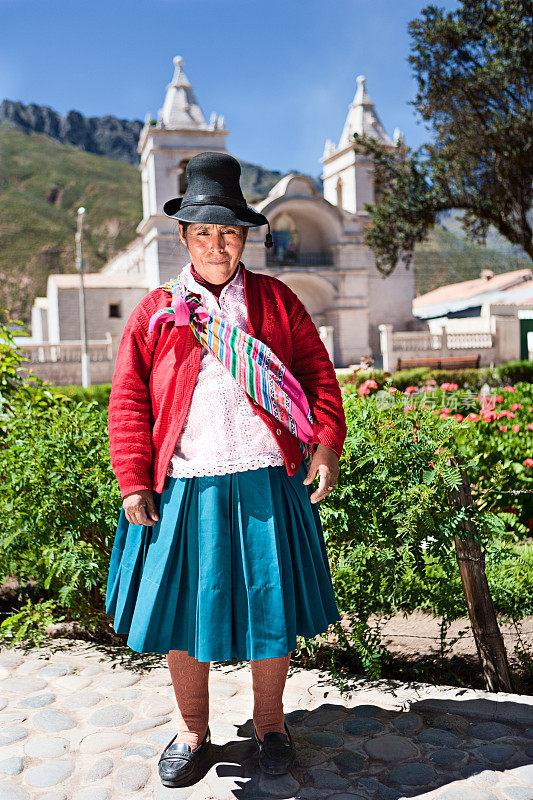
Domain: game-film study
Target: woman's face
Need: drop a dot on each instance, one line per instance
(215, 250)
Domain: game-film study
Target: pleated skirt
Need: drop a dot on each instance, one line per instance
(235, 568)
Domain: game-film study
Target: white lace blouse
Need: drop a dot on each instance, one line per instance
(221, 433)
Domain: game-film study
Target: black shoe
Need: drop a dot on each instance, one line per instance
(179, 764)
(276, 751)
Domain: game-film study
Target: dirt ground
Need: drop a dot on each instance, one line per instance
(418, 634)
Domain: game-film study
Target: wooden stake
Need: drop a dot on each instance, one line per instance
(487, 634)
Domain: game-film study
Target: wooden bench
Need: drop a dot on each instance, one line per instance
(446, 362)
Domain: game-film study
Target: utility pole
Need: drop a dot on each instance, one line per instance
(81, 298)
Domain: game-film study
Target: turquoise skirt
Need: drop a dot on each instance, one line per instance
(235, 567)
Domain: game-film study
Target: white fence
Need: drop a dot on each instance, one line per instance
(68, 351)
(60, 363)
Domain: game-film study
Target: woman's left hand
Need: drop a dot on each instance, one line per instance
(324, 463)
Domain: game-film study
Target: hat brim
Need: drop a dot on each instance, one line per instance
(213, 214)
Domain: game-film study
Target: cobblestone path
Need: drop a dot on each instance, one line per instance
(87, 723)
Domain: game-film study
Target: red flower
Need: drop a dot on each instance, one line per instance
(515, 428)
(498, 398)
(515, 406)
(528, 462)
(508, 389)
(505, 413)
(449, 387)
(502, 428)
(459, 417)
(410, 389)
(530, 426)
(392, 389)
(473, 417)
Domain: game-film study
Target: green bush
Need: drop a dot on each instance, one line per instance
(357, 378)
(465, 378)
(410, 377)
(60, 504)
(515, 372)
(389, 526)
(59, 501)
(98, 392)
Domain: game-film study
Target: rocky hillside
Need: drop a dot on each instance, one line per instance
(103, 136)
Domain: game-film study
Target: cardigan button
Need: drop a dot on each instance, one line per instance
(278, 431)
(293, 465)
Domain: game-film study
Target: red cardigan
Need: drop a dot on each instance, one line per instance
(155, 375)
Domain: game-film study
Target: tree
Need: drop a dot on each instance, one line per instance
(474, 68)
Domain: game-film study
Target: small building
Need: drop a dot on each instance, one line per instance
(479, 304)
(318, 238)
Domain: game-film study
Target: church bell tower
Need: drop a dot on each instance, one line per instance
(347, 174)
(166, 145)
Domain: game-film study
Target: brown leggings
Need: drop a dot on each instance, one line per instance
(190, 679)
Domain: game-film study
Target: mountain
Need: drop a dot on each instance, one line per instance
(103, 136)
(448, 257)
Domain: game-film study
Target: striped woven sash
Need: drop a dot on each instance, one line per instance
(251, 362)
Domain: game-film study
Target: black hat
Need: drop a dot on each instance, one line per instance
(214, 195)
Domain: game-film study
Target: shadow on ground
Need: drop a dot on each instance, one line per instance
(463, 749)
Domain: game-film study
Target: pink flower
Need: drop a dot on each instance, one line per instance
(515, 406)
(515, 428)
(502, 428)
(530, 426)
(425, 408)
(366, 386)
(444, 415)
(528, 462)
(430, 388)
(459, 417)
(446, 410)
(473, 417)
(508, 389)
(498, 398)
(410, 390)
(505, 413)
(392, 389)
(449, 387)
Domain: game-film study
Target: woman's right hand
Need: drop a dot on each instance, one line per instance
(139, 508)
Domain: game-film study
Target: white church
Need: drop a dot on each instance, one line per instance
(318, 242)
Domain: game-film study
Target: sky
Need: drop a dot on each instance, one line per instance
(282, 73)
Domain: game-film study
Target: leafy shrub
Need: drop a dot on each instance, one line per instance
(389, 525)
(60, 503)
(98, 392)
(466, 378)
(358, 378)
(515, 372)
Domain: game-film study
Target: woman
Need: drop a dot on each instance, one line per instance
(224, 408)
